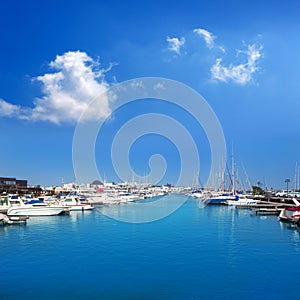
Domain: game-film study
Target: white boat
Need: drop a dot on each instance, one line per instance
(291, 214)
(242, 200)
(4, 204)
(128, 197)
(197, 194)
(18, 208)
(6, 220)
(73, 203)
(219, 199)
(3, 219)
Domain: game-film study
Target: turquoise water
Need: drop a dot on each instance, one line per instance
(214, 252)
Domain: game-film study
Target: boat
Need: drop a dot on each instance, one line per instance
(74, 204)
(291, 214)
(241, 201)
(221, 198)
(197, 194)
(3, 219)
(18, 208)
(6, 220)
(268, 211)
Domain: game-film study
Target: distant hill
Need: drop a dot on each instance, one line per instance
(97, 182)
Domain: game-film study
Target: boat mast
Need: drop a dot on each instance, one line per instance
(247, 178)
(296, 177)
(233, 173)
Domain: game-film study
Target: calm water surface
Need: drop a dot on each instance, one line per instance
(214, 252)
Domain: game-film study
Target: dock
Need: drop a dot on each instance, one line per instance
(265, 208)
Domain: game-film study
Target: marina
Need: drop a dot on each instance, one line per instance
(149, 150)
(182, 256)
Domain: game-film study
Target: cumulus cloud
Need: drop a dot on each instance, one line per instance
(241, 73)
(175, 44)
(75, 82)
(8, 109)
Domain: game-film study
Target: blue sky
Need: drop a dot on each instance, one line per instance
(241, 56)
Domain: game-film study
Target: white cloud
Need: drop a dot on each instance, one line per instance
(77, 81)
(241, 73)
(8, 109)
(207, 36)
(69, 91)
(175, 44)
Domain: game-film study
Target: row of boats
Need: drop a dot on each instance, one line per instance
(285, 214)
(15, 206)
(233, 199)
(15, 209)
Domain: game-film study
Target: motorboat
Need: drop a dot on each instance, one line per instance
(242, 201)
(290, 214)
(74, 204)
(18, 208)
(220, 198)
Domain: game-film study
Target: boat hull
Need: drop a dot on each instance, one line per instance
(35, 211)
(289, 215)
(80, 207)
(219, 200)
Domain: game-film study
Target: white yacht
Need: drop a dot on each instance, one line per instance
(242, 200)
(17, 207)
(73, 203)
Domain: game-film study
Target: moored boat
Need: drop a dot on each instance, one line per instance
(290, 215)
(74, 204)
(242, 201)
(220, 199)
(18, 208)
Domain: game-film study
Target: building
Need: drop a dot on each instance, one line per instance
(18, 186)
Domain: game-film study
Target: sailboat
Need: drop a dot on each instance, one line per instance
(222, 198)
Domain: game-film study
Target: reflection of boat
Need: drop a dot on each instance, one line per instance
(73, 203)
(18, 208)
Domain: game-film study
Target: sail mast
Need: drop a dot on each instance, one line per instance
(232, 171)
